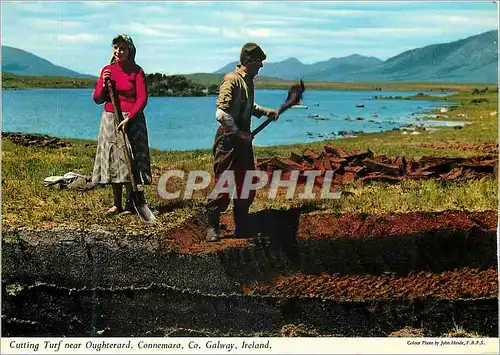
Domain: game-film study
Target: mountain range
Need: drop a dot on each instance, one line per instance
(470, 60)
(20, 62)
(473, 59)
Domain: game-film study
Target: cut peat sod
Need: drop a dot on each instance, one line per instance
(350, 275)
(349, 166)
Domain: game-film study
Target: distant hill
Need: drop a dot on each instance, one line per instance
(473, 59)
(470, 60)
(292, 68)
(20, 62)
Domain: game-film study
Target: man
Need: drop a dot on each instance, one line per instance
(233, 142)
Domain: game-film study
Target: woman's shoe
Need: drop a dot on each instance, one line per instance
(113, 211)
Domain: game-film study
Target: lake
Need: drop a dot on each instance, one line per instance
(183, 123)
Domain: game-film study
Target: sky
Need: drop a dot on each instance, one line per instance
(183, 37)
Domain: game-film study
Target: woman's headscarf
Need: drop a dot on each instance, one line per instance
(123, 38)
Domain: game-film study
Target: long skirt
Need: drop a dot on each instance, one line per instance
(110, 165)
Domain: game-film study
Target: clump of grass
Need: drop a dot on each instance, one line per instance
(300, 330)
(14, 289)
(409, 332)
(460, 332)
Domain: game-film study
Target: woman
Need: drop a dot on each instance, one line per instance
(110, 165)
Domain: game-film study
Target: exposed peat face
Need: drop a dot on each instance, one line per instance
(348, 275)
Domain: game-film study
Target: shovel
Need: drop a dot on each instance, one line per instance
(138, 199)
(293, 98)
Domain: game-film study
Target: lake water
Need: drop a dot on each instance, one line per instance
(176, 123)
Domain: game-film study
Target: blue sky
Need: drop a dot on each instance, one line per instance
(188, 37)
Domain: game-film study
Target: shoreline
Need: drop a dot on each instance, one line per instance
(426, 115)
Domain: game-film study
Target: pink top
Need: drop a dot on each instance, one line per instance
(130, 86)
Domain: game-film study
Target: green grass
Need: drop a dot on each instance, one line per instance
(27, 203)
(12, 81)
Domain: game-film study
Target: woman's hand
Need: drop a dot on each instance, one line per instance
(123, 125)
(106, 74)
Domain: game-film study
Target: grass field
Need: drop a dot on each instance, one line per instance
(27, 203)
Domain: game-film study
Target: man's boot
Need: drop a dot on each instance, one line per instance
(242, 228)
(213, 229)
(129, 206)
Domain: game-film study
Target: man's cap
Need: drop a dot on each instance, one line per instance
(251, 53)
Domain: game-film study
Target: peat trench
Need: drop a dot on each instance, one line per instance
(349, 275)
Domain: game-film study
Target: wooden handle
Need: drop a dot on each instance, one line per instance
(294, 97)
(261, 126)
(118, 118)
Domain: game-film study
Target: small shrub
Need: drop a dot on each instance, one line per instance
(479, 100)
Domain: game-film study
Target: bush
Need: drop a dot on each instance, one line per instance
(478, 101)
(174, 85)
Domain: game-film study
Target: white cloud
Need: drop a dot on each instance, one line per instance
(134, 28)
(383, 34)
(98, 4)
(301, 9)
(481, 19)
(79, 38)
(262, 33)
(196, 3)
(53, 24)
(177, 29)
(154, 10)
(272, 20)
(41, 7)
(229, 50)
